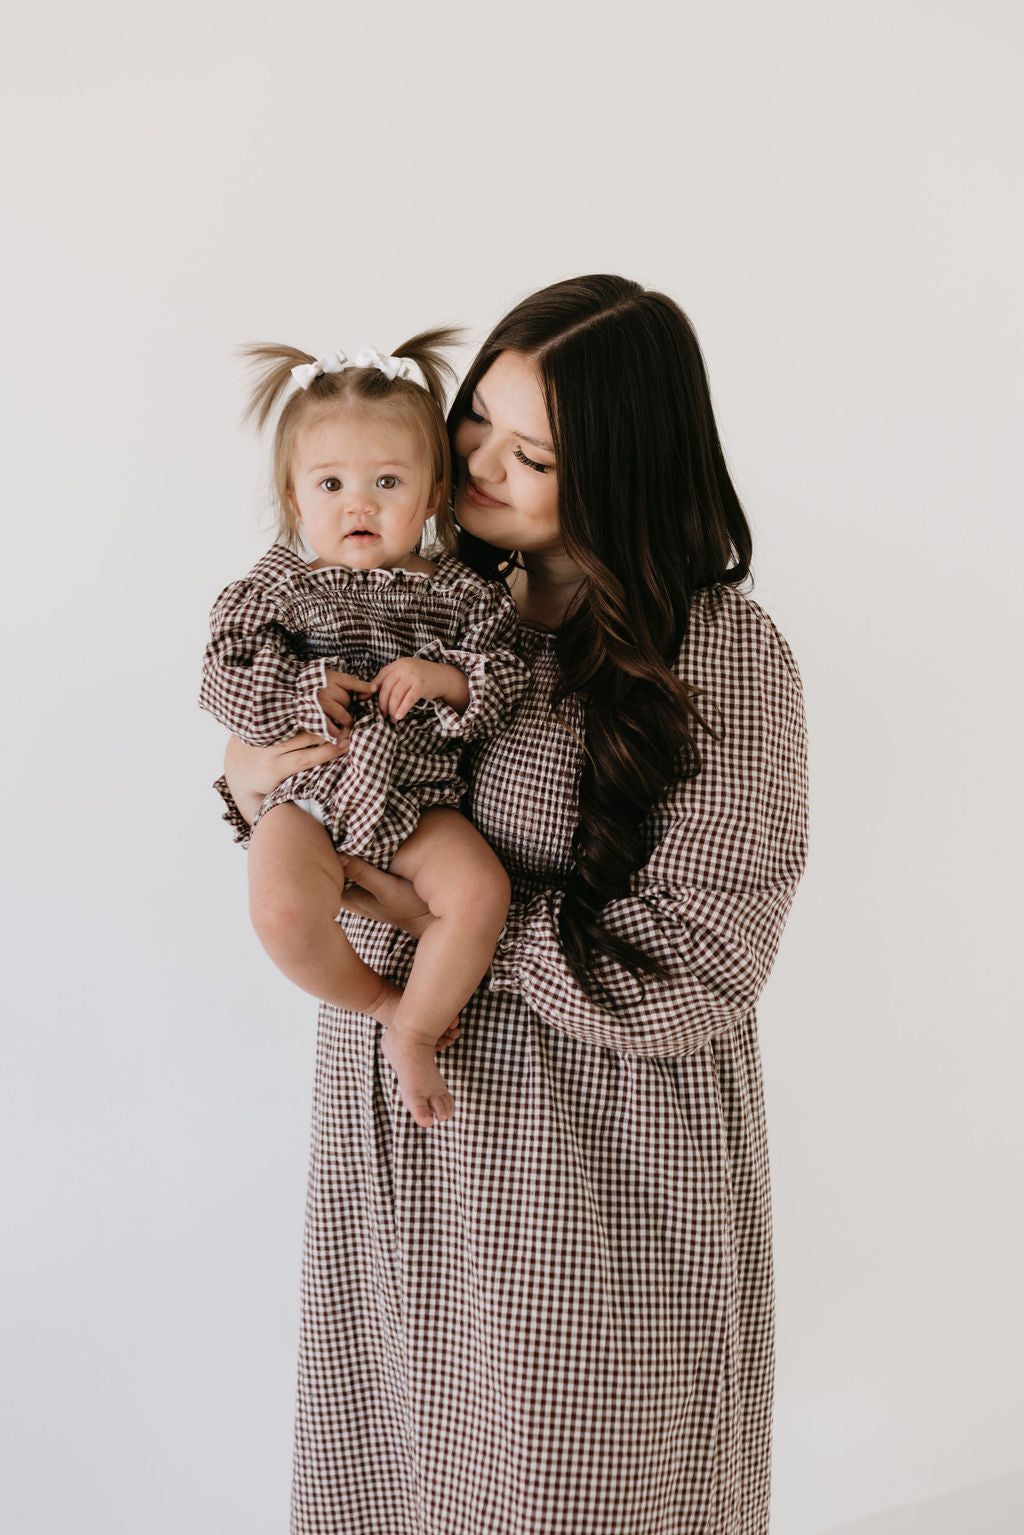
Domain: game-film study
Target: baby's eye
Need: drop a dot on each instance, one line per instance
(331, 483)
(387, 481)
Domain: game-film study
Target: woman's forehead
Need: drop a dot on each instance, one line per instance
(512, 393)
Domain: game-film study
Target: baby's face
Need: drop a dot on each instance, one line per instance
(362, 487)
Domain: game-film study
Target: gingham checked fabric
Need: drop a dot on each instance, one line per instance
(553, 1314)
(275, 632)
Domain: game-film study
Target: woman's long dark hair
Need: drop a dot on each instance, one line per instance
(648, 512)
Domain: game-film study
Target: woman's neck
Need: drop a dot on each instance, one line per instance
(543, 586)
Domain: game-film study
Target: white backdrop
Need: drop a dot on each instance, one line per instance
(828, 190)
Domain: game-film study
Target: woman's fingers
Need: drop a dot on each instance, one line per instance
(312, 756)
(368, 877)
(386, 897)
(450, 1035)
(363, 905)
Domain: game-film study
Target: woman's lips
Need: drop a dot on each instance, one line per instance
(477, 496)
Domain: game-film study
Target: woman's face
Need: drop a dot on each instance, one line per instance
(506, 490)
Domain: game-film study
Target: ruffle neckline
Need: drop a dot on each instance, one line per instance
(282, 565)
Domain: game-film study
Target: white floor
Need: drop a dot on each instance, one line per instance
(990, 1508)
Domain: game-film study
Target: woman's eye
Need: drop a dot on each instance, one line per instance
(472, 415)
(531, 463)
(331, 483)
(387, 481)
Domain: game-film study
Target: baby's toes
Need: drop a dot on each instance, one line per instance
(421, 1111)
(443, 1106)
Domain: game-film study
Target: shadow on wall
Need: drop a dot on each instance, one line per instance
(988, 1508)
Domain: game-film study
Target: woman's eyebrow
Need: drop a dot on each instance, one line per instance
(535, 442)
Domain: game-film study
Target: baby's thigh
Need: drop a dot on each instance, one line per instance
(444, 855)
(287, 848)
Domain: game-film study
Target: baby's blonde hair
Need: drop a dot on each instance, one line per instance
(410, 402)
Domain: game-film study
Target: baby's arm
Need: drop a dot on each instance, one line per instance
(409, 679)
(484, 649)
(257, 683)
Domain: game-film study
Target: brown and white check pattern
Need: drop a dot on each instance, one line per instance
(553, 1314)
(274, 633)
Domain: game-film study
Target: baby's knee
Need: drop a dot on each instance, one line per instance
(278, 911)
(483, 896)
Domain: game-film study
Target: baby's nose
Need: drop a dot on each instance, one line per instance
(361, 503)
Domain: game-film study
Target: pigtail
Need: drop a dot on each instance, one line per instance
(425, 351)
(438, 375)
(273, 364)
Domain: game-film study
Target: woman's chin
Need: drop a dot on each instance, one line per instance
(476, 520)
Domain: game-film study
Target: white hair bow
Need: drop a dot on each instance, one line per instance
(306, 372)
(391, 367)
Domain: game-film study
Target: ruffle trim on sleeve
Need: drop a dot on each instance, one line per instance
(233, 815)
(310, 677)
(508, 952)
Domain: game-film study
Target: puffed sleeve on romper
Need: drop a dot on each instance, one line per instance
(730, 847)
(485, 652)
(254, 681)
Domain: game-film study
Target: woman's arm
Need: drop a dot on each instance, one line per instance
(253, 772)
(712, 900)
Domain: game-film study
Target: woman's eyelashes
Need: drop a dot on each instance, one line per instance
(517, 452)
(531, 463)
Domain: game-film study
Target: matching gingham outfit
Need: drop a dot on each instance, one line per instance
(553, 1314)
(275, 632)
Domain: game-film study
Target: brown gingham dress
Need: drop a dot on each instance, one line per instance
(273, 634)
(553, 1314)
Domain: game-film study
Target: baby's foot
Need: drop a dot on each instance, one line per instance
(422, 1086)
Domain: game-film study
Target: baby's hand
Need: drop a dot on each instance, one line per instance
(405, 681)
(336, 696)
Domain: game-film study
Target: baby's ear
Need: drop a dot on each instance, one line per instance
(435, 500)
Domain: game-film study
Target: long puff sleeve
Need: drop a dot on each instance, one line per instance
(254, 680)
(730, 846)
(485, 652)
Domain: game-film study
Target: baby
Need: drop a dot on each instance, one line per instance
(415, 649)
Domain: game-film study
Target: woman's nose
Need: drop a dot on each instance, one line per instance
(484, 463)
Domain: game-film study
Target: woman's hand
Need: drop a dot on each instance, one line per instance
(390, 898)
(384, 897)
(253, 772)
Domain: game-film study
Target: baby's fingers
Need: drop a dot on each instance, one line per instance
(405, 697)
(355, 685)
(338, 716)
(385, 692)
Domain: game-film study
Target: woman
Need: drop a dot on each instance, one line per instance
(555, 1315)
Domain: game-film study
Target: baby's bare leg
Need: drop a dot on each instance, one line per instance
(467, 890)
(295, 887)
